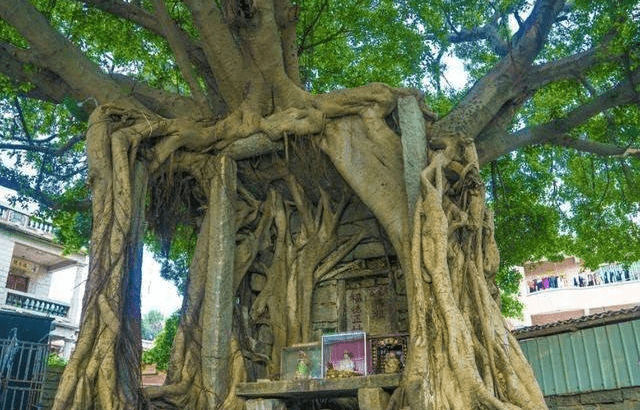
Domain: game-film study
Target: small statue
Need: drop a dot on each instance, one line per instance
(346, 364)
(302, 367)
(391, 363)
(331, 372)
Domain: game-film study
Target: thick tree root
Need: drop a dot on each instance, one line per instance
(104, 371)
(478, 363)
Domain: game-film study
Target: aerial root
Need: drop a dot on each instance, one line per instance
(476, 366)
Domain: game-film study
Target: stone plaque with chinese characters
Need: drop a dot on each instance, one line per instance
(368, 308)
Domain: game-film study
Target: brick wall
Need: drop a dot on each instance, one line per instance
(543, 319)
(361, 298)
(611, 308)
(50, 386)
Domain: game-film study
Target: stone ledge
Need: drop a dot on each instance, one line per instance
(631, 393)
(607, 396)
(564, 401)
(316, 387)
(624, 399)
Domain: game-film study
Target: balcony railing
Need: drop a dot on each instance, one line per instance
(40, 226)
(36, 305)
(25, 221)
(607, 275)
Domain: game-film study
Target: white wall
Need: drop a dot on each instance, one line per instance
(39, 283)
(80, 281)
(6, 251)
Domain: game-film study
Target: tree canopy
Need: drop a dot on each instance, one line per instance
(152, 324)
(560, 166)
(161, 350)
(238, 132)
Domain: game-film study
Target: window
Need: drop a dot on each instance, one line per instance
(17, 282)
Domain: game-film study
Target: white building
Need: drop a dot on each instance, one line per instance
(29, 262)
(555, 291)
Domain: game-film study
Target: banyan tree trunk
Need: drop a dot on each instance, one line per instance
(104, 370)
(462, 356)
(206, 361)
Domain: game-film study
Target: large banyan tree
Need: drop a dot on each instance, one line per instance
(214, 114)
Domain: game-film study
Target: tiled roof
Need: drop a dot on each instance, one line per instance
(583, 322)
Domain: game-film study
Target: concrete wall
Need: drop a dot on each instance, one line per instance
(544, 318)
(48, 259)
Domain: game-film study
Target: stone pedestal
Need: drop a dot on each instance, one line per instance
(265, 404)
(372, 398)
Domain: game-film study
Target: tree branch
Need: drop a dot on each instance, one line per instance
(220, 50)
(505, 81)
(267, 59)
(37, 148)
(161, 102)
(176, 42)
(311, 27)
(555, 132)
(598, 148)
(528, 41)
(48, 85)
(58, 54)
(128, 11)
(518, 19)
(330, 37)
(23, 123)
(572, 67)
(66, 175)
(192, 47)
(286, 17)
(487, 32)
(20, 183)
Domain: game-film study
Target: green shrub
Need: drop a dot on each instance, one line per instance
(56, 361)
(160, 353)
